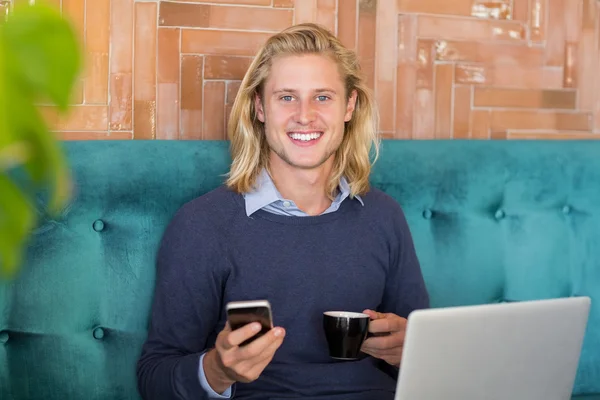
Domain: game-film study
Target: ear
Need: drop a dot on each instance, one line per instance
(350, 106)
(258, 105)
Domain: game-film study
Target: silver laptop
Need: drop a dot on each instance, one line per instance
(508, 351)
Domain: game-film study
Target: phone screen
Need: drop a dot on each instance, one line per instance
(239, 317)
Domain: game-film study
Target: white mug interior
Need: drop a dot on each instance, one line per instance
(345, 314)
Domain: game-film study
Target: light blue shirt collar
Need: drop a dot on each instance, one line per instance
(266, 196)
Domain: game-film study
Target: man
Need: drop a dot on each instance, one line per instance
(296, 224)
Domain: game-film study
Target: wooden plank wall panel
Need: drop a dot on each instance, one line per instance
(439, 69)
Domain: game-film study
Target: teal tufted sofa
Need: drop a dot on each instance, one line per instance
(492, 221)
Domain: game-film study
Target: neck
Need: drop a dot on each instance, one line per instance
(305, 187)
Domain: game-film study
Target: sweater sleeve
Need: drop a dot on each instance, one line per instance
(191, 272)
(405, 289)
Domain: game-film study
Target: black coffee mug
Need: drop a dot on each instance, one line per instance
(345, 333)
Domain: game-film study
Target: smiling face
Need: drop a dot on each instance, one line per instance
(304, 108)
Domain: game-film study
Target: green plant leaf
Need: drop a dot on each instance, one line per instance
(6, 135)
(44, 61)
(49, 158)
(47, 164)
(17, 219)
(39, 61)
(42, 53)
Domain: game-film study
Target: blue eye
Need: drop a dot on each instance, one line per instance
(323, 98)
(286, 98)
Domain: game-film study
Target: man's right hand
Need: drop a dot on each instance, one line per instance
(228, 363)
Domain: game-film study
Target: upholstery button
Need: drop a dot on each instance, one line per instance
(427, 214)
(98, 225)
(3, 337)
(98, 333)
(566, 210)
(499, 214)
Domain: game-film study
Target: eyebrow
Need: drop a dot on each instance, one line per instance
(320, 90)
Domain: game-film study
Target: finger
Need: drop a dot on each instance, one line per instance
(382, 354)
(391, 323)
(257, 347)
(255, 366)
(234, 338)
(392, 356)
(267, 354)
(374, 353)
(250, 368)
(384, 342)
(372, 314)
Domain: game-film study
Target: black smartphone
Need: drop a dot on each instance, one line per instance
(240, 313)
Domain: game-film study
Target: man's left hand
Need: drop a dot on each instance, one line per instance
(389, 340)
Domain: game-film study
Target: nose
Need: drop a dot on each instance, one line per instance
(305, 113)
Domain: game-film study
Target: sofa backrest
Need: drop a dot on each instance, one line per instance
(491, 221)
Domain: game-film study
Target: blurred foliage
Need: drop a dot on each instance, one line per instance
(40, 60)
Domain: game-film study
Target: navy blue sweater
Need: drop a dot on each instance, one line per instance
(360, 257)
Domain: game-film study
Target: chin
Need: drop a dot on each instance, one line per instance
(305, 163)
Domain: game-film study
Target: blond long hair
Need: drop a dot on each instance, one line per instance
(249, 148)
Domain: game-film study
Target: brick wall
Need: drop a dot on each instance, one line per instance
(440, 68)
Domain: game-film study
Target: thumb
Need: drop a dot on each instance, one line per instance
(373, 314)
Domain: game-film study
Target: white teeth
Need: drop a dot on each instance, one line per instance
(305, 137)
